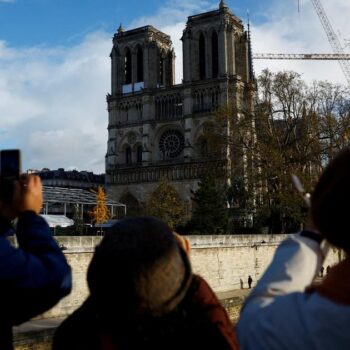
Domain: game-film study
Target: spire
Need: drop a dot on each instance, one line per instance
(222, 4)
(120, 29)
(250, 52)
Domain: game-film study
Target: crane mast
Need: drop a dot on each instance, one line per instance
(332, 37)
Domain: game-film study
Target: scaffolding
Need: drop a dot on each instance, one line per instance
(61, 200)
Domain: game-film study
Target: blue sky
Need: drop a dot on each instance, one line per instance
(64, 22)
(55, 66)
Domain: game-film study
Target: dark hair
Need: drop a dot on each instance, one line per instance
(138, 270)
(330, 201)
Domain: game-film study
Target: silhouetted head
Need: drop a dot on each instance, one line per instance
(138, 270)
(330, 201)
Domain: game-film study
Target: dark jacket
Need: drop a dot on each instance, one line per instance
(199, 322)
(33, 277)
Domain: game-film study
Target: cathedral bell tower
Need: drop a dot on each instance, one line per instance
(215, 45)
(142, 58)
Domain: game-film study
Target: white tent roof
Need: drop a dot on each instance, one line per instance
(58, 220)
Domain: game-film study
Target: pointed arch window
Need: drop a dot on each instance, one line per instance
(128, 66)
(215, 54)
(203, 148)
(161, 70)
(139, 65)
(202, 62)
(128, 155)
(139, 154)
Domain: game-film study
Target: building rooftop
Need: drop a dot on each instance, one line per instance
(143, 30)
(81, 176)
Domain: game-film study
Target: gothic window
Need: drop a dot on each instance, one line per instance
(203, 148)
(166, 113)
(201, 101)
(139, 65)
(215, 54)
(139, 154)
(172, 107)
(139, 111)
(168, 107)
(126, 113)
(128, 68)
(158, 109)
(202, 62)
(214, 98)
(161, 70)
(171, 144)
(178, 105)
(128, 155)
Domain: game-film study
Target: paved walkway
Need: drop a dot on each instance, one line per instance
(38, 325)
(240, 293)
(48, 326)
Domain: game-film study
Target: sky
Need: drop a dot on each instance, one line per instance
(55, 65)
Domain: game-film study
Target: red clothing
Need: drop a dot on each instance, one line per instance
(200, 322)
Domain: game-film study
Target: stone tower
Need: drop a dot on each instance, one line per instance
(156, 128)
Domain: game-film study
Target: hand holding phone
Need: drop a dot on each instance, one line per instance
(31, 195)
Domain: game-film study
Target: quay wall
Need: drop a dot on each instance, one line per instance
(221, 259)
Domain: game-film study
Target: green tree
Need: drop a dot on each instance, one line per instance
(210, 213)
(240, 205)
(100, 213)
(294, 128)
(165, 203)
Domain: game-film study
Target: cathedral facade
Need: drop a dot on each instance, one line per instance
(157, 128)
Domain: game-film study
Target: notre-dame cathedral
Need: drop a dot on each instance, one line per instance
(156, 128)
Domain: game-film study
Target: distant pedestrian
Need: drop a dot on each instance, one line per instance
(328, 268)
(321, 271)
(250, 280)
(241, 282)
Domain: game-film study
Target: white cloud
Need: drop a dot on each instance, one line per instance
(52, 103)
(173, 12)
(288, 31)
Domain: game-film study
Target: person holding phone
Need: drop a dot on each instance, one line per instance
(35, 275)
(286, 310)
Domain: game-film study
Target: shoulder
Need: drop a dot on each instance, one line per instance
(77, 331)
(276, 324)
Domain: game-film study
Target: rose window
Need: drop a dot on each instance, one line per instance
(171, 143)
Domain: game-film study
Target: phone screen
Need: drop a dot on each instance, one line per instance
(10, 164)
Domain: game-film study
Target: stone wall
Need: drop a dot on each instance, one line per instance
(221, 260)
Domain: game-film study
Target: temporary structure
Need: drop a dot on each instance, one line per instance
(58, 220)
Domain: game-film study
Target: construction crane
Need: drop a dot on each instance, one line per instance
(338, 55)
(302, 56)
(332, 37)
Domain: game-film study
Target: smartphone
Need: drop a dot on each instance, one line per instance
(10, 164)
